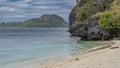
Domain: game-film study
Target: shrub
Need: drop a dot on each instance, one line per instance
(107, 21)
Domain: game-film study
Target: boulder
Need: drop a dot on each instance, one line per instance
(96, 33)
(79, 30)
(105, 35)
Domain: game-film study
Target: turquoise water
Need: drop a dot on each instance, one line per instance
(24, 44)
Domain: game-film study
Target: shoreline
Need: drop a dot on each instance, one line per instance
(98, 57)
(76, 61)
(68, 62)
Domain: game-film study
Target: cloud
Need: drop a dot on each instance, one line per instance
(15, 16)
(3, 0)
(19, 10)
(9, 9)
(26, 1)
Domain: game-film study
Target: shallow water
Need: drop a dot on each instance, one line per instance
(24, 44)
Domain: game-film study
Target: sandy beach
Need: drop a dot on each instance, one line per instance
(102, 58)
(106, 56)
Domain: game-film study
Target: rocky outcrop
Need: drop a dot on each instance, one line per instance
(89, 31)
(84, 24)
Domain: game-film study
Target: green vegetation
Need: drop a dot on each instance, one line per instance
(110, 19)
(84, 13)
(43, 21)
(85, 9)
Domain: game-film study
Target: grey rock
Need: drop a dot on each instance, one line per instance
(94, 33)
(89, 31)
(79, 30)
(105, 35)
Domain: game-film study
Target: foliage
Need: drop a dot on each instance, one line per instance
(110, 19)
(107, 21)
(85, 9)
(116, 7)
(84, 13)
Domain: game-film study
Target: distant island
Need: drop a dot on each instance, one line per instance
(46, 20)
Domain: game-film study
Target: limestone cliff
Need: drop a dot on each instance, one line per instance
(84, 23)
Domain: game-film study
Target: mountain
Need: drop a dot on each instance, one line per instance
(46, 20)
(95, 19)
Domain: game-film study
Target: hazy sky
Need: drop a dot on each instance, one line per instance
(19, 10)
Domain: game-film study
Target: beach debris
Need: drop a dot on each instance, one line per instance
(115, 47)
(99, 48)
(76, 59)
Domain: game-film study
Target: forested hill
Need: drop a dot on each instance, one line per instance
(46, 20)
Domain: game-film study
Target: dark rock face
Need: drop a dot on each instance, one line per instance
(118, 34)
(96, 33)
(89, 31)
(79, 30)
(72, 18)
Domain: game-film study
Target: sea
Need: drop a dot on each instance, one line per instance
(19, 45)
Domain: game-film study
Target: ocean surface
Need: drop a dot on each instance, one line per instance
(25, 44)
